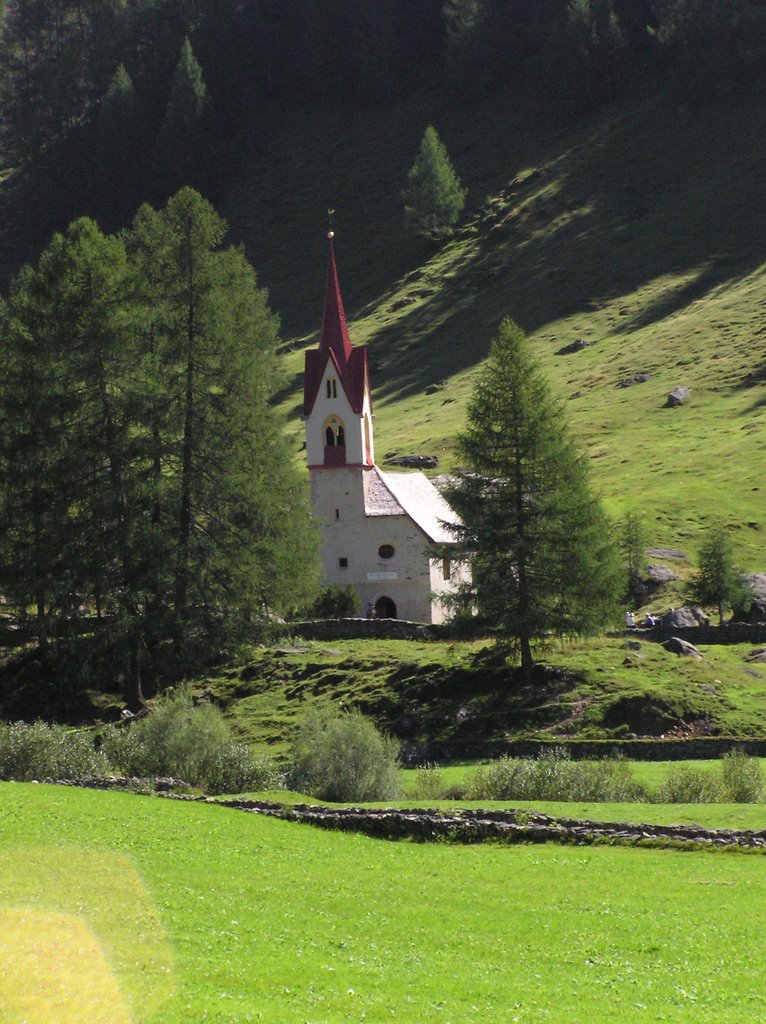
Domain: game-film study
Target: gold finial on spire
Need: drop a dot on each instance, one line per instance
(330, 215)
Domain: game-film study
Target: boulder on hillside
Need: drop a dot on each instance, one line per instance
(637, 378)
(759, 654)
(678, 396)
(755, 583)
(688, 615)
(674, 553)
(414, 461)
(678, 646)
(656, 575)
(576, 346)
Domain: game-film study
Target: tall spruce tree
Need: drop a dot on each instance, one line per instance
(543, 552)
(434, 197)
(718, 581)
(187, 142)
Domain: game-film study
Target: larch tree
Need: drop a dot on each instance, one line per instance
(544, 556)
(143, 469)
(718, 581)
(433, 197)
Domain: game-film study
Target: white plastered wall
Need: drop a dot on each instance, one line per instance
(338, 405)
(337, 502)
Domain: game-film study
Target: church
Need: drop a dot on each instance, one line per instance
(384, 534)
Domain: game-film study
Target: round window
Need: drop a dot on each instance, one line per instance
(386, 551)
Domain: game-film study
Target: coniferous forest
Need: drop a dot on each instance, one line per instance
(106, 103)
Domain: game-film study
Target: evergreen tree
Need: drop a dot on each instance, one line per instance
(186, 146)
(718, 581)
(632, 544)
(543, 554)
(142, 465)
(120, 142)
(228, 513)
(434, 197)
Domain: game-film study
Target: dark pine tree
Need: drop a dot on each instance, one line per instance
(544, 557)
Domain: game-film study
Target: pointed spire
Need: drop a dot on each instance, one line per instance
(334, 330)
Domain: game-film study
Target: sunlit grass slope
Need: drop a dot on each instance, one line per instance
(641, 231)
(467, 693)
(270, 921)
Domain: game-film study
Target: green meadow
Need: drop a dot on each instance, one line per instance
(200, 913)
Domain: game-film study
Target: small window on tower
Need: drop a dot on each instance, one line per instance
(337, 513)
(446, 568)
(343, 563)
(386, 551)
(332, 387)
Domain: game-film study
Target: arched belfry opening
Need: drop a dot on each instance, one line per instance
(334, 442)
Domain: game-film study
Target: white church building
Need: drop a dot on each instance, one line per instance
(382, 533)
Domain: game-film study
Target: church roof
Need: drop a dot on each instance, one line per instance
(335, 345)
(413, 495)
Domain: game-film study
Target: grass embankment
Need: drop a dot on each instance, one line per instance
(435, 692)
(264, 920)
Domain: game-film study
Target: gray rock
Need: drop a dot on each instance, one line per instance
(659, 574)
(678, 646)
(687, 616)
(637, 378)
(678, 396)
(759, 654)
(576, 346)
(414, 461)
(675, 553)
(755, 582)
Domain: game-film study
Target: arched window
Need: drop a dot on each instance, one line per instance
(329, 437)
(341, 436)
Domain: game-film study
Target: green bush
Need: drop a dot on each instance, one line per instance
(429, 783)
(554, 776)
(335, 602)
(189, 742)
(341, 756)
(742, 778)
(40, 751)
(686, 785)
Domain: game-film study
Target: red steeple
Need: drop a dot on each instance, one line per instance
(334, 331)
(335, 345)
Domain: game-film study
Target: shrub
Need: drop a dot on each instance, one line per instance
(340, 755)
(554, 776)
(335, 602)
(40, 751)
(685, 785)
(188, 742)
(742, 778)
(429, 783)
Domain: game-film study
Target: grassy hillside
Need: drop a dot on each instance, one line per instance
(641, 231)
(119, 909)
(465, 695)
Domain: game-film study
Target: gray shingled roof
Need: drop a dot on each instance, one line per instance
(411, 494)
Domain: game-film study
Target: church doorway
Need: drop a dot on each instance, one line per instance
(385, 608)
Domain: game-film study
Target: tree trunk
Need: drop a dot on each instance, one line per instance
(527, 662)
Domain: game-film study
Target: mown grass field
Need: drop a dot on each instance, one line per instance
(264, 920)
